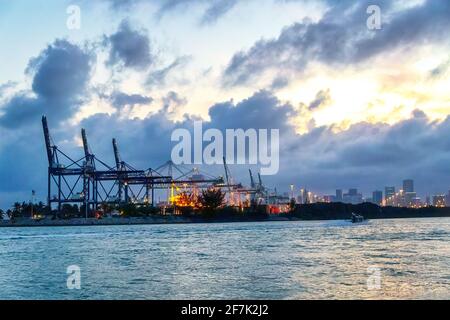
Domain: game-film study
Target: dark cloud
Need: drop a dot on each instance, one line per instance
(120, 99)
(342, 37)
(213, 9)
(262, 110)
(172, 102)
(323, 99)
(217, 10)
(60, 77)
(129, 48)
(279, 83)
(158, 77)
(417, 113)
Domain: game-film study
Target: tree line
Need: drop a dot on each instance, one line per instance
(209, 204)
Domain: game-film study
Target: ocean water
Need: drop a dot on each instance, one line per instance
(381, 259)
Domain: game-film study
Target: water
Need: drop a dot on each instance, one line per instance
(271, 260)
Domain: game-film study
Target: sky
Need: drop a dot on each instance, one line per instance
(356, 107)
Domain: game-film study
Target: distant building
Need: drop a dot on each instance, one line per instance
(352, 197)
(409, 199)
(447, 199)
(339, 195)
(377, 197)
(389, 192)
(303, 196)
(416, 203)
(408, 185)
(439, 201)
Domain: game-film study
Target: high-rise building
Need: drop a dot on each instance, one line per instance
(377, 197)
(447, 199)
(410, 199)
(352, 197)
(408, 185)
(439, 201)
(389, 192)
(339, 195)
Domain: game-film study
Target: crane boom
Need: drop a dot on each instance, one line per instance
(227, 173)
(252, 182)
(116, 154)
(85, 143)
(48, 144)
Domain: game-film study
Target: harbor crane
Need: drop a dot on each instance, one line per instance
(91, 182)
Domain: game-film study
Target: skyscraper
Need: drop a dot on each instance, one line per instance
(389, 192)
(352, 197)
(377, 197)
(339, 195)
(408, 185)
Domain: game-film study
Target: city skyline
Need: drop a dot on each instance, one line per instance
(406, 196)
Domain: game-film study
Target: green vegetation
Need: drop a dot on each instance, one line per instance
(20, 210)
(210, 201)
(133, 210)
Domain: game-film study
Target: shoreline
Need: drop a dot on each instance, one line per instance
(83, 222)
(92, 222)
(302, 212)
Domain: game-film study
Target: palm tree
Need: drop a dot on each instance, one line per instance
(212, 198)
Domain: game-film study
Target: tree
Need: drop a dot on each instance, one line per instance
(292, 204)
(186, 203)
(130, 210)
(212, 198)
(68, 211)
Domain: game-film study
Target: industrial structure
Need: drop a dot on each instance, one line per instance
(91, 182)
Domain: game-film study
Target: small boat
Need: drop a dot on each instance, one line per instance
(356, 218)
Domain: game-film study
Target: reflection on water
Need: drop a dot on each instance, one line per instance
(273, 260)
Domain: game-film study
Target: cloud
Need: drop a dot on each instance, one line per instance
(341, 37)
(212, 12)
(323, 99)
(279, 83)
(120, 99)
(5, 87)
(129, 48)
(440, 70)
(60, 78)
(261, 111)
(217, 10)
(173, 101)
(159, 77)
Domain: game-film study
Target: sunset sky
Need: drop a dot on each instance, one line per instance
(356, 108)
